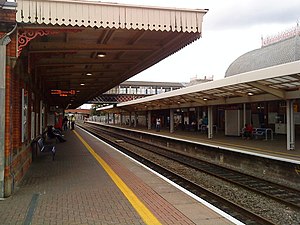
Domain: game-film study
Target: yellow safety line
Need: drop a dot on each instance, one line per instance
(141, 209)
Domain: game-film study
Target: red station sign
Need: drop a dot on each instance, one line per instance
(63, 93)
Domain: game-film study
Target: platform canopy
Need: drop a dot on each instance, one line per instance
(275, 83)
(77, 50)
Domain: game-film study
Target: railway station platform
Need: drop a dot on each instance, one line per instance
(89, 182)
(275, 147)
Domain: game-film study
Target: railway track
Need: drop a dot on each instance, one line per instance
(279, 193)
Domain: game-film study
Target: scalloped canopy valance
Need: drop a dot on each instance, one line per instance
(109, 15)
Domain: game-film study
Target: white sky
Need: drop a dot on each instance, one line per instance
(230, 29)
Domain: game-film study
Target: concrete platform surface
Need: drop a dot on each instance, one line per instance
(81, 187)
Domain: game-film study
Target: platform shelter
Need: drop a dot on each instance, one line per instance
(229, 103)
(60, 54)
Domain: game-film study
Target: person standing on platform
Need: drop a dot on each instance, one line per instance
(65, 123)
(158, 124)
(72, 122)
(59, 124)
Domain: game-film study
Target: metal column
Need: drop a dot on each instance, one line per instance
(135, 120)
(244, 114)
(171, 120)
(210, 122)
(149, 120)
(2, 116)
(290, 125)
(121, 119)
(114, 118)
(5, 40)
(130, 123)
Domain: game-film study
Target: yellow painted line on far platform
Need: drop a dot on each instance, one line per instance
(141, 209)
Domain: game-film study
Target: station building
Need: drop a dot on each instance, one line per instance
(130, 90)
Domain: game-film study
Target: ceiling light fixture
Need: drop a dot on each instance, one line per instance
(101, 54)
(250, 93)
(89, 74)
(82, 84)
(205, 99)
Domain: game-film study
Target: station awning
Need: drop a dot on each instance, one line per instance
(280, 82)
(77, 50)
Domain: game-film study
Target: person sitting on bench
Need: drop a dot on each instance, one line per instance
(248, 131)
(55, 133)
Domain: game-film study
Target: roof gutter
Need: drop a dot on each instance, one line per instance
(7, 5)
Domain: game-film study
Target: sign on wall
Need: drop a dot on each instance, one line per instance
(24, 114)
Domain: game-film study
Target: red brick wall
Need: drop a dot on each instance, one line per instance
(7, 15)
(17, 154)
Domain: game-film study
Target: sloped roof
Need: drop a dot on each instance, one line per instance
(279, 82)
(284, 51)
(109, 15)
(87, 48)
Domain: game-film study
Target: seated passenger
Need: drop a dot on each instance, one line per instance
(55, 133)
(248, 131)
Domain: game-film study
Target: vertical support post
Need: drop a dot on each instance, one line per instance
(198, 118)
(2, 116)
(121, 119)
(244, 114)
(171, 120)
(114, 118)
(210, 122)
(135, 119)
(4, 41)
(149, 120)
(290, 125)
(107, 118)
(130, 124)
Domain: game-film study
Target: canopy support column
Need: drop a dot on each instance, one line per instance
(290, 129)
(4, 41)
(130, 117)
(135, 119)
(171, 120)
(2, 115)
(149, 120)
(210, 122)
(244, 114)
(121, 119)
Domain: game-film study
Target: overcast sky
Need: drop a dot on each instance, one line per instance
(230, 29)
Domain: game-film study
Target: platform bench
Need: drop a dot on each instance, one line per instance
(46, 147)
(262, 132)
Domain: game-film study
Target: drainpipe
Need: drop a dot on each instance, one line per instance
(4, 41)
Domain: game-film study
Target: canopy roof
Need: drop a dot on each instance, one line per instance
(274, 83)
(281, 52)
(62, 42)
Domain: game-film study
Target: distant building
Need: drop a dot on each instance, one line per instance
(130, 90)
(196, 80)
(275, 50)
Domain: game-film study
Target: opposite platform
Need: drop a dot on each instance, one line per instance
(76, 189)
(275, 148)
